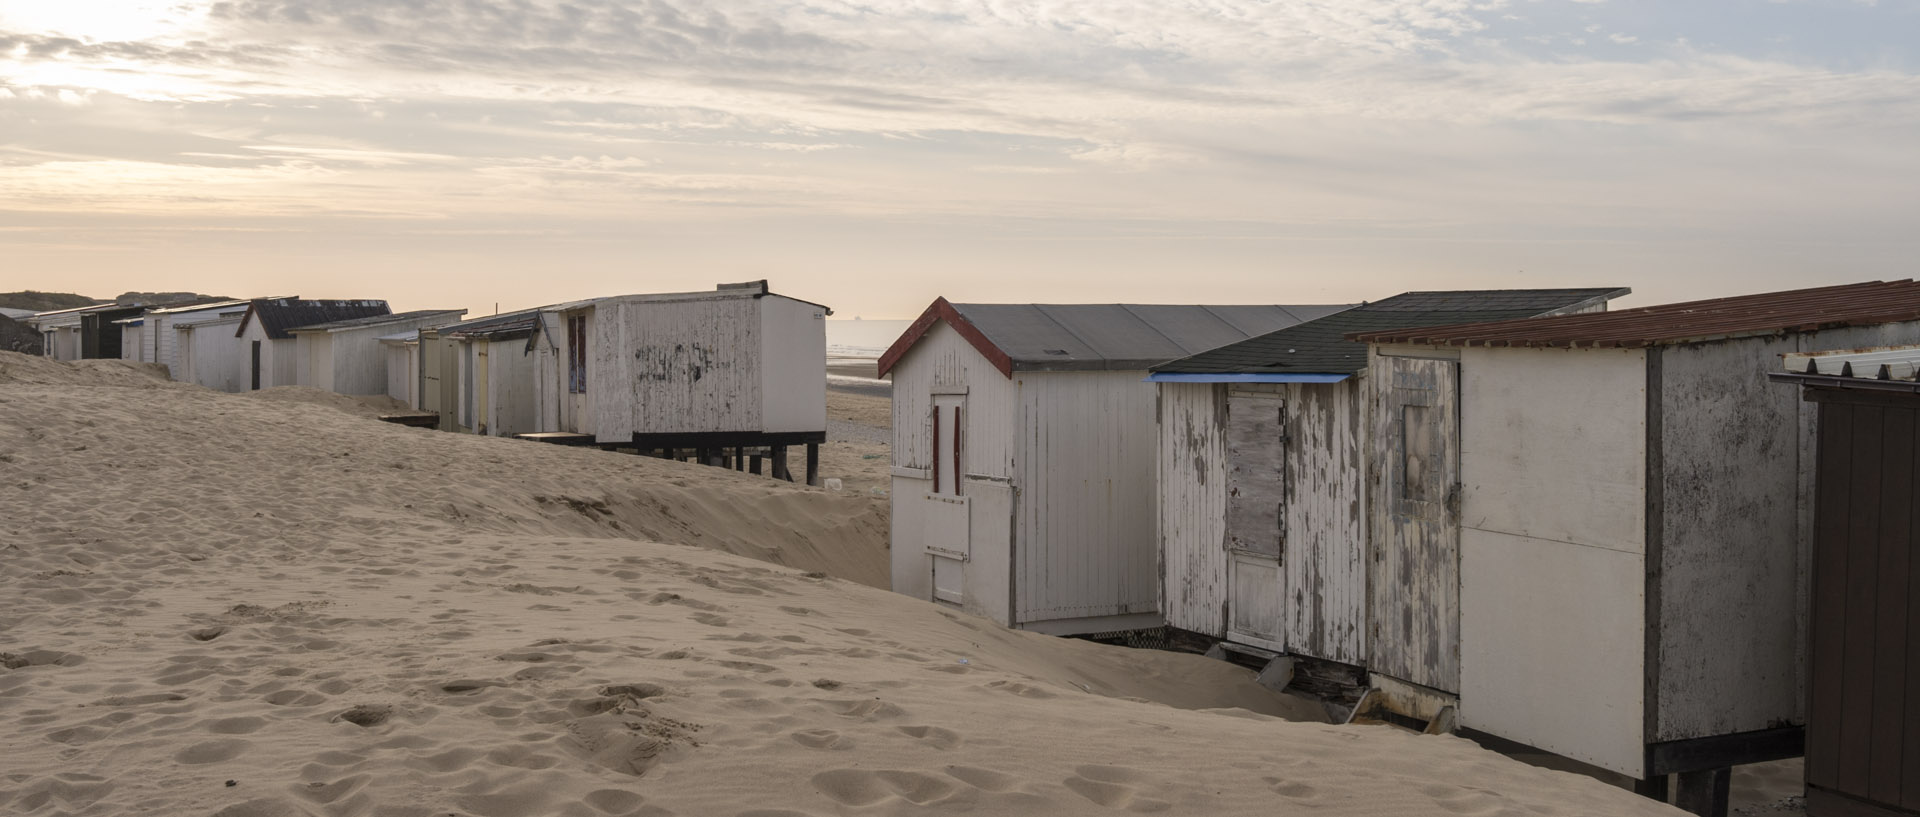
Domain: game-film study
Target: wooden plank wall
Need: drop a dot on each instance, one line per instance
(1193, 506)
(944, 360)
(1324, 556)
(1863, 727)
(1087, 545)
(1415, 606)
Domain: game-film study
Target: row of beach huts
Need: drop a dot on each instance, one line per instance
(1606, 535)
(1609, 535)
(733, 375)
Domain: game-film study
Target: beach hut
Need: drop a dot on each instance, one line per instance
(159, 329)
(402, 350)
(1589, 534)
(478, 374)
(210, 355)
(717, 372)
(266, 333)
(346, 356)
(83, 333)
(1863, 650)
(1264, 472)
(1023, 454)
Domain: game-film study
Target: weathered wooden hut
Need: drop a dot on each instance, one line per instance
(478, 374)
(1023, 454)
(210, 355)
(1863, 623)
(346, 356)
(1590, 534)
(160, 329)
(1264, 472)
(736, 368)
(82, 333)
(266, 334)
(402, 350)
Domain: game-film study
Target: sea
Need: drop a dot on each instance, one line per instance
(857, 342)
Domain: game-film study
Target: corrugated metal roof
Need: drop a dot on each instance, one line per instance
(491, 327)
(1069, 337)
(1321, 346)
(281, 315)
(198, 306)
(1801, 310)
(1878, 363)
(378, 320)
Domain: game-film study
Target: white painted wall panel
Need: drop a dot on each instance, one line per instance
(314, 363)
(1553, 444)
(509, 384)
(1087, 546)
(402, 374)
(1192, 500)
(944, 360)
(215, 358)
(1552, 646)
(793, 354)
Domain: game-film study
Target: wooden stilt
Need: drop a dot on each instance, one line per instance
(739, 458)
(753, 465)
(1652, 788)
(1704, 792)
(780, 464)
(813, 463)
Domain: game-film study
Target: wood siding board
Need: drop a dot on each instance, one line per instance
(1910, 748)
(1416, 618)
(1192, 515)
(1891, 597)
(1856, 686)
(1324, 581)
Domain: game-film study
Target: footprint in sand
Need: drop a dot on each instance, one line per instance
(938, 738)
(861, 787)
(871, 709)
(822, 739)
(1021, 689)
(1113, 787)
(1289, 788)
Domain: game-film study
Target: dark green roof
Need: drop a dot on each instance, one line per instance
(1321, 346)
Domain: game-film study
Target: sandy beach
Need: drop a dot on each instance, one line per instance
(267, 605)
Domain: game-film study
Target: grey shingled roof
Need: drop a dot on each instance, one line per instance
(494, 327)
(378, 320)
(1321, 346)
(1066, 337)
(281, 315)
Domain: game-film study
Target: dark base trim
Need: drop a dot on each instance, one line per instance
(1721, 751)
(1827, 803)
(726, 439)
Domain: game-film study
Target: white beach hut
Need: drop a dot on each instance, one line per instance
(402, 350)
(478, 374)
(210, 355)
(1591, 532)
(1023, 454)
(1264, 470)
(717, 372)
(159, 330)
(267, 340)
(347, 357)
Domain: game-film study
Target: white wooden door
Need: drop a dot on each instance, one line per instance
(1256, 533)
(949, 540)
(1415, 591)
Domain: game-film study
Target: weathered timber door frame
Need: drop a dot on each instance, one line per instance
(1414, 591)
(1256, 517)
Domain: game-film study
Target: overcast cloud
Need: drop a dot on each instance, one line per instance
(873, 155)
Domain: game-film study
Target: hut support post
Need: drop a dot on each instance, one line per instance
(1654, 788)
(813, 463)
(753, 465)
(780, 464)
(739, 459)
(1704, 792)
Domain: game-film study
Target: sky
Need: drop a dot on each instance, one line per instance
(874, 154)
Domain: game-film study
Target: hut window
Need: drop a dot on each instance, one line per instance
(1417, 454)
(577, 354)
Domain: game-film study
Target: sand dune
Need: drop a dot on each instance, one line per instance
(253, 608)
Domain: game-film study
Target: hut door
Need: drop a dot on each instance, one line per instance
(1256, 504)
(1415, 590)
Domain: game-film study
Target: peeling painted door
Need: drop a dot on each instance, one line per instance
(1256, 499)
(1415, 594)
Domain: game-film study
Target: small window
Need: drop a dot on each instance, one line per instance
(1417, 482)
(577, 354)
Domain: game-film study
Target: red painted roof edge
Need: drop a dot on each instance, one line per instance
(941, 310)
